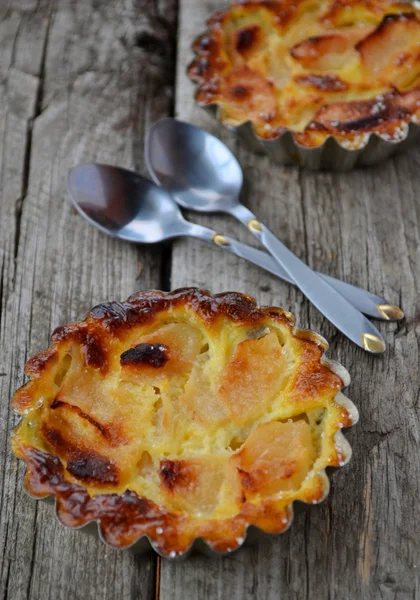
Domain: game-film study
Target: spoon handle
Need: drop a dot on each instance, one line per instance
(325, 298)
(366, 302)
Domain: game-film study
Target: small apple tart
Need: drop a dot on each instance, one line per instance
(179, 416)
(306, 71)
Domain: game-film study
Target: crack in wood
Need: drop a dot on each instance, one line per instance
(31, 571)
(28, 148)
(15, 39)
(7, 578)
(166, 267)
(2, 285)
(301, 189)
(157, 578)
(308, 569)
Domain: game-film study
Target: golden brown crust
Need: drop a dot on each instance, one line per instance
(122, 424)
(344, 68)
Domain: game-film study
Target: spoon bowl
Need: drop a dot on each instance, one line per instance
(199, 169)
(123, 204)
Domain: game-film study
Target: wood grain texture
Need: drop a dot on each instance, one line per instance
(364, 541)
(79, 81)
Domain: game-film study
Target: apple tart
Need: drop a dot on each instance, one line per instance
(179, 416)
(336, 68)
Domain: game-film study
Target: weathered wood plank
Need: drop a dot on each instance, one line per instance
(363, 542)
(88, 75)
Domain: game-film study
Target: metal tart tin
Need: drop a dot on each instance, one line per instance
(330, 155)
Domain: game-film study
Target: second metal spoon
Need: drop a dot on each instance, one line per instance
(202, 174)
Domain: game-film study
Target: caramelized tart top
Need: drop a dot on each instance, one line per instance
(181, 415)
(337, 67)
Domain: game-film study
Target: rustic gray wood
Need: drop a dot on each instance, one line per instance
(83, 80)
(79, 81)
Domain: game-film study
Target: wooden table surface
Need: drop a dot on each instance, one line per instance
(83, 80)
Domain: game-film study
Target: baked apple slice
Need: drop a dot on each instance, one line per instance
(194, 484)
(391, 53)
(253, 377)
(169, 351)
(275, 458)
(329, 52)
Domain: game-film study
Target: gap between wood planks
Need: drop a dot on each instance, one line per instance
(166, 264)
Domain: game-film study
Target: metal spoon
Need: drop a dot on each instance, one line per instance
(126, 205)
(202, 174)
